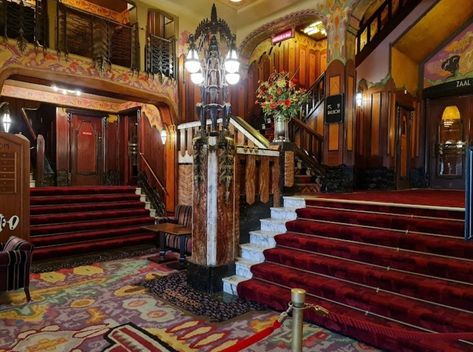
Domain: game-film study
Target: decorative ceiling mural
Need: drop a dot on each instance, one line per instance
(453, 62)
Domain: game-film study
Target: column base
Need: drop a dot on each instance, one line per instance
(208, 278)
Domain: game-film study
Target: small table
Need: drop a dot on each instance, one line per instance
(174, 229)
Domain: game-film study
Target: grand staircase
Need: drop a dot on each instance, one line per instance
(373, 266)
(77, 220)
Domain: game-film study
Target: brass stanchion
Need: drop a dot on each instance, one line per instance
(298, 299)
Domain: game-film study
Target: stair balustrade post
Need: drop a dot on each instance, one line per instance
(298, 303)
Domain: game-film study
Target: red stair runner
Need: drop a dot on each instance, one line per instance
(76, 220)
(403, 267)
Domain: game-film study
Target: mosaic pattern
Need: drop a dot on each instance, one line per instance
(72, 310)
(453, 62)
(49, 61)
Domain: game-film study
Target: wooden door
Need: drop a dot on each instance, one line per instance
(447, 140)
(403, 146)
(86, 153)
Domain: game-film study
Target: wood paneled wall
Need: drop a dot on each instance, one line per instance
(301, 56)
(376, 127)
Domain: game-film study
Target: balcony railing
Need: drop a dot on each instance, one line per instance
(160, 56)
(24, 21)
(374, 29)
(105, 41)
(102, 39)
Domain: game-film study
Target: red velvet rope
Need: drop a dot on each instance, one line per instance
(254, 338)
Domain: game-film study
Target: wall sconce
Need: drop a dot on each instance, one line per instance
(359, 99)
(6, 119)
(164, 136)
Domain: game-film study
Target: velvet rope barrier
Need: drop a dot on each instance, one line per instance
(254, 338)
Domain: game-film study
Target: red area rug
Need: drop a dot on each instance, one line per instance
(131, 338)
(375, 265)
(78, 220)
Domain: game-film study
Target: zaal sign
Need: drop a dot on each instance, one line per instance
(281, 36)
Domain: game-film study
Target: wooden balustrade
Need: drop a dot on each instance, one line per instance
(374, 29)
(104, 40)
(244, 135)
(306, 138)
(257, 173)
(316, 95)
(25, 22)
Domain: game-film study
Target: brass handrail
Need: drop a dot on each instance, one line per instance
(152, 173)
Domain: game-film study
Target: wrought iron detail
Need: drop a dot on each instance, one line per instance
(161, 56)
(152, 194)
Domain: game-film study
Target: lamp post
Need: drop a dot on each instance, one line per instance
(212, 62)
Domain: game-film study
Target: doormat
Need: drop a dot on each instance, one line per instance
(173, 288)
(131, 338)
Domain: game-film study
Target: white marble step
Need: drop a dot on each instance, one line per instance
(32, 184)
(283, 213)
(294, 202)
(230, 284)
(138, 191)
(263, 238)
(252, 252)
(243, 268)
(273, 225)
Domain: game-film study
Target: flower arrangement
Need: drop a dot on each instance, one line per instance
(279, 96)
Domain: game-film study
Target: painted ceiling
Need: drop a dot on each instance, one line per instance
(440, 23)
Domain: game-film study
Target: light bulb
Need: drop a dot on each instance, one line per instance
(232, 78)
(232, 64)
(6, 122)
(164, 136)
(197, 78)
(192, 63)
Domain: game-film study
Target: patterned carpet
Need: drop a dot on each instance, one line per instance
(74, 308)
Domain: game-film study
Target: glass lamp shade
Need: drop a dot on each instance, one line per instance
(192, 63)
(6, 122)
(197, 78)
(232, 78)
(232, 64)
(164, 136)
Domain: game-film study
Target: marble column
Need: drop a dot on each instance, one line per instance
(213, 235)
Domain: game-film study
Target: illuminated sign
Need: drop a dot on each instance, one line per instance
(287, 34)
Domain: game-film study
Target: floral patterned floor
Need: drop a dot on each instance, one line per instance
(73, 308)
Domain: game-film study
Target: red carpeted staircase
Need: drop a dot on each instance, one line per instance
(76, 220)
(407, 268)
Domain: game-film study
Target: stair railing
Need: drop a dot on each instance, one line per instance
(316, 94)
(151, 192)
(309, 145)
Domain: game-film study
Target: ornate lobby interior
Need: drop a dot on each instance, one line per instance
(179, 175)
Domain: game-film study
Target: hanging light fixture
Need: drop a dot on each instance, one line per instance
(6, 119)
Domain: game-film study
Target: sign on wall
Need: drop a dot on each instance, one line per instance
(284, 35)
(334, 109)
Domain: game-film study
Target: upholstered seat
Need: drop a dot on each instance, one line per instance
(183, 216)
(15, 261)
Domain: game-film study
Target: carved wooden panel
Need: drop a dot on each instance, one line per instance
(288, 169)
(276, 190)
(250, 179)
(14, 186)
(184, 187)
(264, 180)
